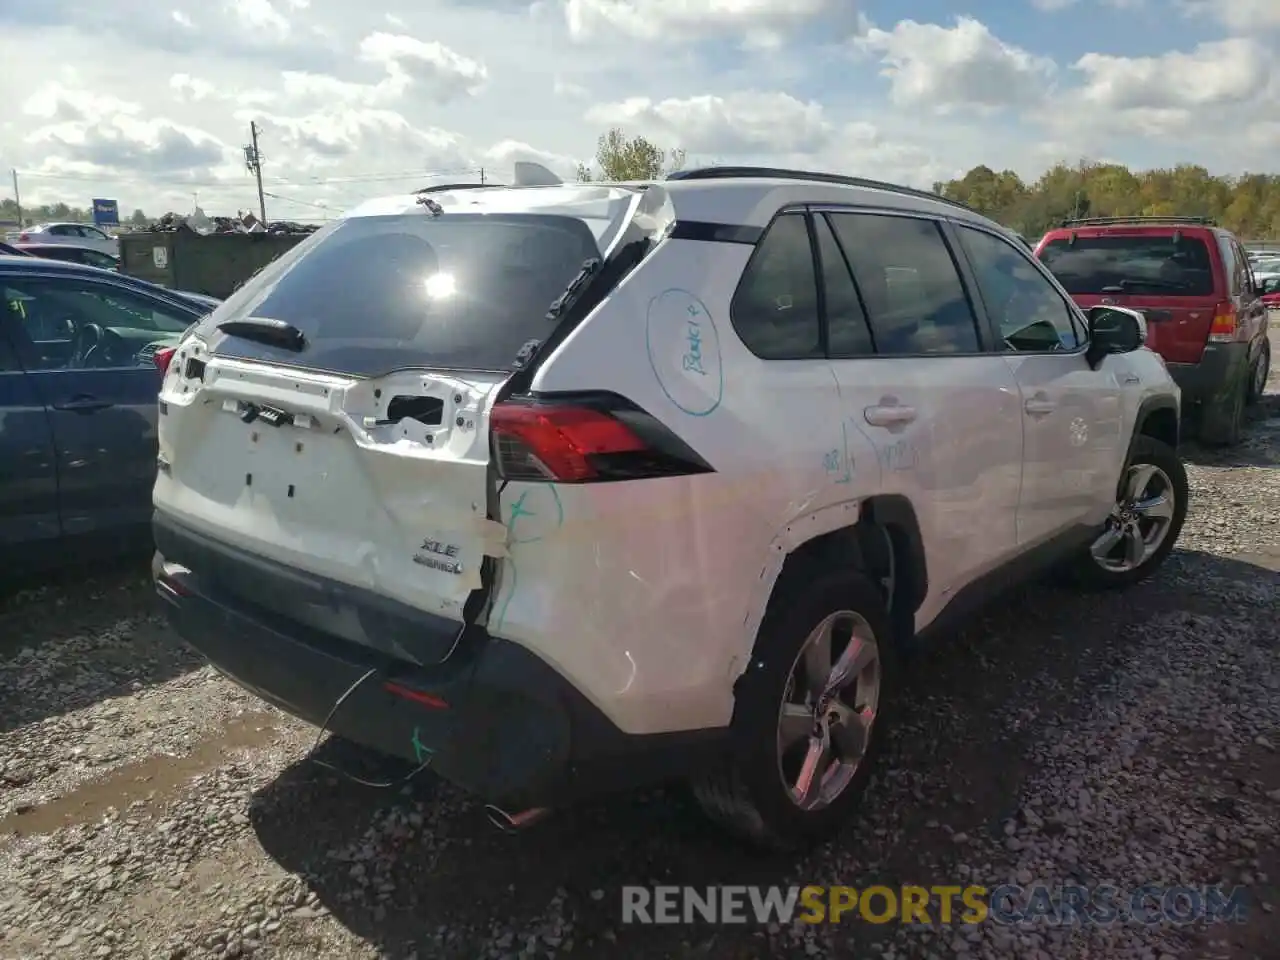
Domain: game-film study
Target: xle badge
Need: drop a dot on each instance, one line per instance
(439, 556)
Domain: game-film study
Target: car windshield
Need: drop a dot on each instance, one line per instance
(378, 293)
(1147, 263)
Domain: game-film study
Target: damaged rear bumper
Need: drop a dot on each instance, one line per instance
(496, 719)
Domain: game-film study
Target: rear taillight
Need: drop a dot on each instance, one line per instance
(163, 357)
(24, 238)
(1225, 323)
(585, 439)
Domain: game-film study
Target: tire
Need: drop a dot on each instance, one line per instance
(747, 793)
(1222, 423)
(1259, 374)
(1170, 478)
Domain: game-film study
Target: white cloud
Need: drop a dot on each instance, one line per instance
(758, 20)
(353, 102)
(1237, 15)
(442, 72)
(966, 65)
(741, 123)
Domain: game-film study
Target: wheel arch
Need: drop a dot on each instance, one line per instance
(1157, 419)
(879, 536)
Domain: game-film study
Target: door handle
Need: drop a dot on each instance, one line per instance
(82, 403)
(1039, 406)
(890, 415)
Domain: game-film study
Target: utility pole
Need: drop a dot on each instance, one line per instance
(17, 197)
(253, 161)
(482, 176)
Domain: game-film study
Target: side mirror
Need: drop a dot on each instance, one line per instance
(1114, 330)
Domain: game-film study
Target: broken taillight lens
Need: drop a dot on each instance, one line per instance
(586, 439)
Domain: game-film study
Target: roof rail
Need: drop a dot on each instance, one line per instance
(778, 173)
(1104, 221)
(441, 187)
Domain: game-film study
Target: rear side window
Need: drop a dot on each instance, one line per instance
(376, 294)
(914, 298)
(1135, 264)
(775, 308)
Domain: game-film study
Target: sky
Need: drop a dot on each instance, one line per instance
(149, 102)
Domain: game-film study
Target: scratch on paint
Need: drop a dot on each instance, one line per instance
(519, 509)
(420, 749)
(838, 463)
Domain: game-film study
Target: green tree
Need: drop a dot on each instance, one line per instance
(621, 158)
(1248, 205)
(139, 219)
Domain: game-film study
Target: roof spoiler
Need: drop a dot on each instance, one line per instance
(530, 174)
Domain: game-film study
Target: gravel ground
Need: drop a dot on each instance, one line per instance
(149, 808)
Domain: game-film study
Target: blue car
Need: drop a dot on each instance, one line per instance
(81, 359)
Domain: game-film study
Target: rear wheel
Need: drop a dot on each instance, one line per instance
(1222, 421)
(809, 716)
(1261, 371)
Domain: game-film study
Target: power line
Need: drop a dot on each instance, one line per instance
(303, 203)
(229, 184)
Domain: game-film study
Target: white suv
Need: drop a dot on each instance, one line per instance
(568, 488)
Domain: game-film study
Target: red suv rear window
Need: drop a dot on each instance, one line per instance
(1134, 264)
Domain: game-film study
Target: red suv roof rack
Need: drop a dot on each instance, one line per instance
(1107, 221)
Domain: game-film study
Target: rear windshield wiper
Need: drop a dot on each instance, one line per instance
(576, 285)
(1126, 285)
(276, 333)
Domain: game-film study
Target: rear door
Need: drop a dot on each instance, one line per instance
(1250, 310)
(1166, 273)
(927, 393)
(28, 471)
(358, 452)
(88, 348)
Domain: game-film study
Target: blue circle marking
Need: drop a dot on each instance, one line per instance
(684, 351)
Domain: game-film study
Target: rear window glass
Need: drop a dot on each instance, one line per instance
(1148, 264)
(376, 294)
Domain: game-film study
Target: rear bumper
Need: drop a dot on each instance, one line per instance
(496, 720)
(1215, 375)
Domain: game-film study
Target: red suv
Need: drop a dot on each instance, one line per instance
(1191, 280)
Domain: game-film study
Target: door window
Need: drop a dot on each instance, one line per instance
(73, 325)
(848, 334)
(1031, 315)
(775, 308)
(914, 298)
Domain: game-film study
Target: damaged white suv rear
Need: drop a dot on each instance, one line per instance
(572, 488)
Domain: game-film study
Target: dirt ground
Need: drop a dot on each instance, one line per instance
(149, 808)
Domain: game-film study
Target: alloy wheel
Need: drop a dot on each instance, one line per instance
(828, 710)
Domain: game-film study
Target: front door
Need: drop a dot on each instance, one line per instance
(1072, 420)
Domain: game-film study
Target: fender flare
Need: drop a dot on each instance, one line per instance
(889, 511)
(1149, 406)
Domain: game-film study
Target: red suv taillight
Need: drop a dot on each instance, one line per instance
(1226, 323)
(585, 439)
(162, 358)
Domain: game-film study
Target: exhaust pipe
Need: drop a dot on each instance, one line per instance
(514, 822)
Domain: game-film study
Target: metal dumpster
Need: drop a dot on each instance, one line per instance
(215, 264)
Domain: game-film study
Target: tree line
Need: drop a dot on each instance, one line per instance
(1248, 205)
(56, 212)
